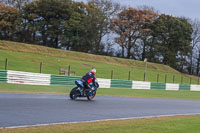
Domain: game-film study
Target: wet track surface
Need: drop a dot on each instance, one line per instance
(34, 109)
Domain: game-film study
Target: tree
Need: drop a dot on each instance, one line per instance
(86, 27)
(130, 25)
(48, 17)
(76, 35)
(195, 41)
(172, 40)
(8, 18)
(16, 3)
(198, 62)
(106, 10)
(146, 40)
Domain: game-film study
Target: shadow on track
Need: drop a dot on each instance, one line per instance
(81, 100)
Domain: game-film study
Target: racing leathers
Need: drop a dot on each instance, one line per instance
(87, 79)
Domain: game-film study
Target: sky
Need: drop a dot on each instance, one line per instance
(178, 8)
(187, 8)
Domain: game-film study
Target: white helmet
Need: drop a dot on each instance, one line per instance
(93, 70)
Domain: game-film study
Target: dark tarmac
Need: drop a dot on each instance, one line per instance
(37, 109)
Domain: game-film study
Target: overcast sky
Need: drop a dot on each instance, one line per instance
(187, 8)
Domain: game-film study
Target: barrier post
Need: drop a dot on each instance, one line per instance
(69, 69)
(6, 64)
(165, 78)
(145, 61)
(112, 74)
(129, 75)
(181, 79)
(40, 67)
(157, 78)
(190, 80)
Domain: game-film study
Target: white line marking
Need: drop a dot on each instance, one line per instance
(38, 125)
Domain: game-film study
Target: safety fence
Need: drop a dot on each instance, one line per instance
(18, 77)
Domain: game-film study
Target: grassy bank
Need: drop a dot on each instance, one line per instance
(26, 57)
(178, 124)
(101, 91)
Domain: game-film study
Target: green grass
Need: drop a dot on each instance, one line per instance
(33, 88)
(178, 124)
(192, 95)
(24, 57)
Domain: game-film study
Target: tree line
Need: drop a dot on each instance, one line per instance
(106, 28)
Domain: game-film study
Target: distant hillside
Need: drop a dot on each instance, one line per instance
(26, 57)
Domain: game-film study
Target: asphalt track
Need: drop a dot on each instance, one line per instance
(37, 109)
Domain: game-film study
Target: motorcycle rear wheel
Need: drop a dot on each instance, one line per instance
(74, 94)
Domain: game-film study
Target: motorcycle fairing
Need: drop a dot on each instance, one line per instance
(79, 83)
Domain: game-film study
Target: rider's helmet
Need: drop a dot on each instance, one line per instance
(93, 70)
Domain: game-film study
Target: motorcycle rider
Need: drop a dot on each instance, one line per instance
(89, 78)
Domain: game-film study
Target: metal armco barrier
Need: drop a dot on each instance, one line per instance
(18, 77)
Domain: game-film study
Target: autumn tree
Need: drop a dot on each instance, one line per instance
(130, 25)
(8, 19)
(146, 39)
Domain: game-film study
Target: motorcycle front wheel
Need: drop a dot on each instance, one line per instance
(91, 96)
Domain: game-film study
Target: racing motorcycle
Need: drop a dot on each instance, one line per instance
(81, 91)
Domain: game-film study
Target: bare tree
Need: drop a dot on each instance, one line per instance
(194, 43)
(107, 9)
(146, 7)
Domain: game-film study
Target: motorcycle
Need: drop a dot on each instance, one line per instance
(81, 91)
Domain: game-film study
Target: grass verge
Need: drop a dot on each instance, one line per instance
(176, 124)
(189, 95)
(26, 57)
